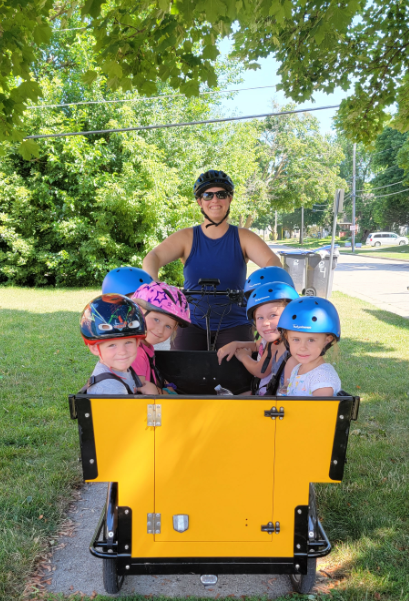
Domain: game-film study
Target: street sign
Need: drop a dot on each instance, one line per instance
(353, 228)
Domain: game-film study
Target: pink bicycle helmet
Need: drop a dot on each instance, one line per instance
(160, 297)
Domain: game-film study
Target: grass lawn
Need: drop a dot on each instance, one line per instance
(387, 252)
(366, 518)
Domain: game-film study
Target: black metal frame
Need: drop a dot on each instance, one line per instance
(120, 549)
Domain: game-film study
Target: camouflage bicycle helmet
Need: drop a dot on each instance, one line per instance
(212, 178)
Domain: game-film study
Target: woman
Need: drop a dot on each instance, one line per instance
(213, 250)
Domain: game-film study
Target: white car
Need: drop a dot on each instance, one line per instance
(385, 239)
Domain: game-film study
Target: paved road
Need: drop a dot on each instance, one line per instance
(382, 282)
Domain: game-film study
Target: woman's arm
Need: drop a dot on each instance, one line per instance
(256, 250)
(176, 246)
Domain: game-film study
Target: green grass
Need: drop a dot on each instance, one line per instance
(43, 359)
(308, 242)
(387, 252)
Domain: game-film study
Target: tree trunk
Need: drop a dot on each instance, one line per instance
(241, 221)
(249, 221)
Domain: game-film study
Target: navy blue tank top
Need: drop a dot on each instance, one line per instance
(222, 259)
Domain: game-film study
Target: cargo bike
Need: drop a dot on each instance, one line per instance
(209, 484)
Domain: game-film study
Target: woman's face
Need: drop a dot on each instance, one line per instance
(216, 208)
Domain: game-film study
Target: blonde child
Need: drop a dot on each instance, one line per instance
(165, 308)
(274, 364)
(310, 326)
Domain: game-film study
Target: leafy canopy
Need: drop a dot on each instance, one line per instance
(320, 44)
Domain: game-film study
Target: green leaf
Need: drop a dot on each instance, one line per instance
(89, 77)
(164, 5)
(28, 149)
(92, 7)
(211, 52)
(42, 34)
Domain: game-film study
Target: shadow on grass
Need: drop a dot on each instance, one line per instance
(389, 318)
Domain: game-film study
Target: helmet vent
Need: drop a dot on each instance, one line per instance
(141, 280)
(314, 319)
(316, 303)
(255, 294)
(270, 290)
(294, 317)
(261, 277)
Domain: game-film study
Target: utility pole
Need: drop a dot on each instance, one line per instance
(302, 226)
(275, 225)
(353, 196)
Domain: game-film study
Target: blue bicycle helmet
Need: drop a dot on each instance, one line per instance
(269, 293)
(212, 178)
(265, 275)
(311, 314)
(125, 280)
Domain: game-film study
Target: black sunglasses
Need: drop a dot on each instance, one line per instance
(220, 194)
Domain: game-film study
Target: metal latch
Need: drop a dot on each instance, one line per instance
(154, 523)
(273, 413)
(154, 415)
(271, 528)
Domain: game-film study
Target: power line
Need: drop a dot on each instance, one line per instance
(380, 187)
(391, 194)
(42, 106)
(168, 125)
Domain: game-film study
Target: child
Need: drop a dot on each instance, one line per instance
(165, 307)
(112, 327)
(266, 275)
(310, 327)
(264, 307)
(125, 280)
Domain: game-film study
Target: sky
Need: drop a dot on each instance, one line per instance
(259, 101)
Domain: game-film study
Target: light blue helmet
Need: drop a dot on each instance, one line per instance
(268, 293)
(264, 276)
(311, 314)
(125, 280)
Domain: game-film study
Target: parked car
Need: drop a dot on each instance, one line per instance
(385, 239)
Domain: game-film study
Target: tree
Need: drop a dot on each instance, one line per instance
(319, 44)
(87, 204)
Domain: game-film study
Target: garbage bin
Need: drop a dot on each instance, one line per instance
(295, 263)
(317, 274)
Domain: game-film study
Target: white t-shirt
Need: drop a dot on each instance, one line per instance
(323, 376)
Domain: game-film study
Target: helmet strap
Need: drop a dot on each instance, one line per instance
(267, 359)
(211, 220)
(326, 348)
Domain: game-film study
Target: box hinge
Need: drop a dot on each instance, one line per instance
(154, 415)
(273, 413)
(154, 523)
(271, 528)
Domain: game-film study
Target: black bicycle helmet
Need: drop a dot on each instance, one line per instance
(212, 178)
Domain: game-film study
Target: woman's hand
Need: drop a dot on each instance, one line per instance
(228, 351)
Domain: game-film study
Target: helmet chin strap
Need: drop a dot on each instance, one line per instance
(211, 220)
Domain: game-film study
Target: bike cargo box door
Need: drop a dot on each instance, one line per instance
(214, 463)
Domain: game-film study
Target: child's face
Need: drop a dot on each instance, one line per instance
(117, 354)
(159, 327)
(266, 319)
(305, 347)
